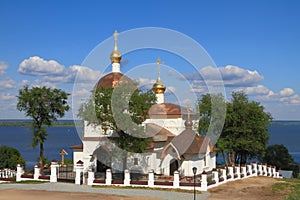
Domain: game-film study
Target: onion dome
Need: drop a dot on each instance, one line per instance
(188, 123)
(112, 79)
(159, 87)
(115, 56)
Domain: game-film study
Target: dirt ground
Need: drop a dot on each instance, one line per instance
(12, 194)
(256, 188)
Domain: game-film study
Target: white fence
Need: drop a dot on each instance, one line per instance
(201, 182)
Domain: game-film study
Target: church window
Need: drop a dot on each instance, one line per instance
(135, 161)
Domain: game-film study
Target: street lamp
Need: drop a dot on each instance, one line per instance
(194, 172)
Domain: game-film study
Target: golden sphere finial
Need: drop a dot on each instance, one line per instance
(115, 56)
(159, 87)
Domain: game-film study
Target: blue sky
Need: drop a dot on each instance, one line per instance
(250, 41)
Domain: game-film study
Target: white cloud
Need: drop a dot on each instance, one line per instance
(3, 67)
(37, 66)
(7, 96)
(145, 83)
(286, 92)
(171, 89)
(42, 83)
(75, 73)
(7, 84)
(255, 90)
(231, 76)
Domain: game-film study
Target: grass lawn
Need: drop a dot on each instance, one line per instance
(289, 186)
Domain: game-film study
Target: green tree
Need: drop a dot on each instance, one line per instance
(10, 157)
(245, 134)
(212, 109)
(278, 155)
(121, 109)
(43, 105)
(245, 131)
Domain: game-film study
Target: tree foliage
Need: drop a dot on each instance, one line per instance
(43, 105)
(10, 157)
(121, 109)
(278, 155)
(245, 132)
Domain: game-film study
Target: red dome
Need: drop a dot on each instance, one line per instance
(112, 79)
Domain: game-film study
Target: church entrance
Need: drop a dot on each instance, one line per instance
(103, 159)
(173, 166)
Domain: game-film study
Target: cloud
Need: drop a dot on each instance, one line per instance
(286, 92)
(55, 73)
(37, 66)
(7, 97)
(3, 67)
(7, 84)
(255, 90)
(231, 76)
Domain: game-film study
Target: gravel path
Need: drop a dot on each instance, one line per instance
(67, 187)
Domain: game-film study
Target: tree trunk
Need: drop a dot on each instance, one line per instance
(225, 160)
(124, 161)
(41, 158)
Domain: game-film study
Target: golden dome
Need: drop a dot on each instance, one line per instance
(115, 56)
(159, 87)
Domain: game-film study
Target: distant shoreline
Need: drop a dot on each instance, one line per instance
(28, 123)
(73, 123)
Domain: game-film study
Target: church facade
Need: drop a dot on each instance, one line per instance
(174, 146)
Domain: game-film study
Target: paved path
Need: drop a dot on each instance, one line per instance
(67, 187)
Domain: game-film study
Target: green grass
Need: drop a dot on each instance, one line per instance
(289, 186)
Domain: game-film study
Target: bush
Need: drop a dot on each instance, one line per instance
(10, 157)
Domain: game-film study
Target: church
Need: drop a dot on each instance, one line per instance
(175, 145)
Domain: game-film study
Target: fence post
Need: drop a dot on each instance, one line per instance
(108, 178)
(274, 171)
(265, 172)
(53, 176)
(244, 171)
(230, 172)
(249, 169)
(176, 179)
(151, 178)
(19, 173)
(127, 177)
(224, 174)
(91, 176)
(204, 181)
(215, 175)
(255, 169)
(37, 172)
(238, 172)
(260, 172)
(270, 170)
(78, 171)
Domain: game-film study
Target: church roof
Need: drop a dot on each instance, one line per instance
(188, 142)
(112, 79)
(79, 146)
(167, 109)
(158, 133)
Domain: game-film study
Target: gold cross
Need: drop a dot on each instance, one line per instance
(188, 111)
(116, 38)
(158, 66)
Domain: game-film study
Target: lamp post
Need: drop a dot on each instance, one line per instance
(194, 172)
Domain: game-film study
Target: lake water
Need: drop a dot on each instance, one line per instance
(63, 137)
(58, 138)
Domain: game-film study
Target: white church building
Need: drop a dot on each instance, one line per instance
(174, 146)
